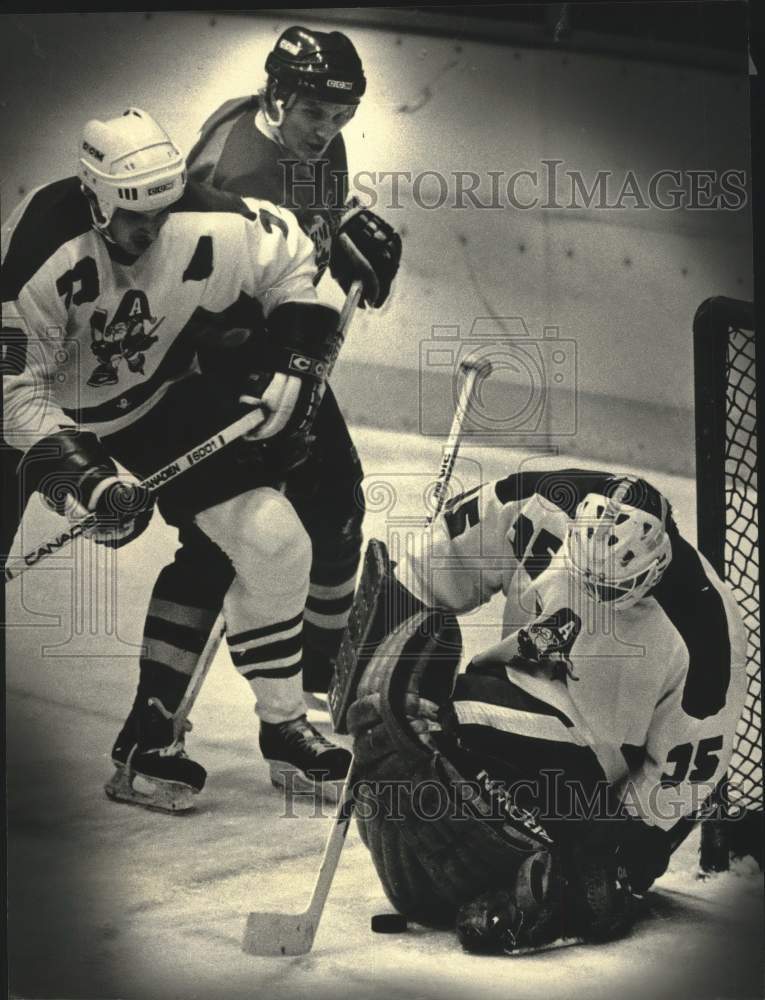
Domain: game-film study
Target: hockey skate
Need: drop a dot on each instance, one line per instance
(152, 768)
(545, 910)
(300, 758)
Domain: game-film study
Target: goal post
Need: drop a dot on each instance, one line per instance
(725, 390)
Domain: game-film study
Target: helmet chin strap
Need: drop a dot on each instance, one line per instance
(101, 225)
(275, 123)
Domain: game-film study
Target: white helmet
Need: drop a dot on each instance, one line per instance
(131, 163)
(618, 545)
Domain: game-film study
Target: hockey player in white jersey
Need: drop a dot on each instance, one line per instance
(109, 280)
(605, 715)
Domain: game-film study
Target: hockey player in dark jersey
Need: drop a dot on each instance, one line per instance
(595, 728)
(130, 263)
(285, 144)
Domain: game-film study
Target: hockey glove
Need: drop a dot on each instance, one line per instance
(365, 248)
(302, 342)
(274, 446)
(76, 476)
(639, 851)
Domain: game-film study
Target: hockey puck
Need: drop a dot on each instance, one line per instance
(389, 923)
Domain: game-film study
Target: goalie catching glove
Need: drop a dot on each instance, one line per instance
(76, 477)
(367, 249)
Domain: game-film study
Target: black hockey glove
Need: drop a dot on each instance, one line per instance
(368, 249)
(302, 340)
(76, 476)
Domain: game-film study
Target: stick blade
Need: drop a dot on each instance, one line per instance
(278, 934)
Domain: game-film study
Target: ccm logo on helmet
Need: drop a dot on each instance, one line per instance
(160, 188)
(340, 84)
(289, 46)
(300, 363)
(92, 150)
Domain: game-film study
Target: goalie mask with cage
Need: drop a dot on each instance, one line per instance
(618, 544)
(131, 163)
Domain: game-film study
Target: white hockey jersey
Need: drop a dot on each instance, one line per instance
(98, 338)
(655, 690)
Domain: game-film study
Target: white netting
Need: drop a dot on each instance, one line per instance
(742, 557)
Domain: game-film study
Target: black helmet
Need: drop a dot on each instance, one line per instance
(318, 64)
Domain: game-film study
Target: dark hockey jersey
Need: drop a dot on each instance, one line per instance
(234, 154)
(655, 690)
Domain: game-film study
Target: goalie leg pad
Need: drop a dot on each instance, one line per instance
(435, 840)
(381, 603)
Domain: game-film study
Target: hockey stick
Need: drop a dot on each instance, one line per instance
(294, 933)
(269, 933)
(349, 663)
(471, 372)
(244, 425)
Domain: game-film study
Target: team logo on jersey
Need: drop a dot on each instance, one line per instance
(554, 635)
(131, 332)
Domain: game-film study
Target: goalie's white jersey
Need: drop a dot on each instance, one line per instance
(655, 690)
(97, 338)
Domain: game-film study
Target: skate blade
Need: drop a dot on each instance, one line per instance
(539, 949)
(159, 796)
(292, 779)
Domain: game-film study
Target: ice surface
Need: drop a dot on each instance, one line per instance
(108, 900)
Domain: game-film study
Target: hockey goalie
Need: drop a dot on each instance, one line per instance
(538, 793)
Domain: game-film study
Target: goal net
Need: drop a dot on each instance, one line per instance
(727, 512)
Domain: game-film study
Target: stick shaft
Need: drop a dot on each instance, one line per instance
(451, 450)
(198, 676)
(333, 848)
(249, 422)
(349, 307)
(268, 933)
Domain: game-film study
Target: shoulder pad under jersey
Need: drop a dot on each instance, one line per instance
(225, 113)
(200, 197)
(53, 215)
